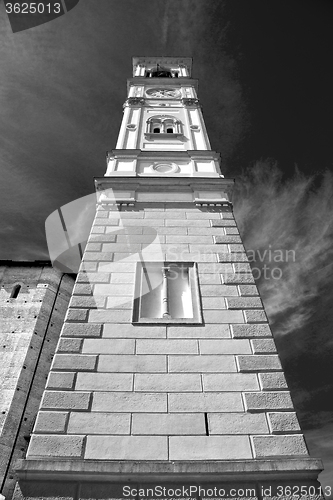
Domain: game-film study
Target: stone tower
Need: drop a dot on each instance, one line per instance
(34, 299)
(166, 374)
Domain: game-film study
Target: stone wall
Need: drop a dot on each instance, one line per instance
(119, 391)
(30, 327)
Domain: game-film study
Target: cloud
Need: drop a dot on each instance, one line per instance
(287, 230)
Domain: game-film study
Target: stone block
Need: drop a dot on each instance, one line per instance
(132, 363)
(202, 249)
(61, 380)
(106, 346)
(82, 289)
(110, 316)
(123, 278)
(126, 215)
(178, 214)
(99, 423)
(119, 302)
(232, 257)
(104, 382)
(275, 446)
(187, 223)
(237, 278)
(97, 229)
(125, 229)
(236, 248)
(87, 302)
(209, 448)
(166, 230)
(209, 279)
(60, 400)
(283, 422)
(224, 316)
(201, 364)
(184, 238)
(117, 267)
(249, 331)
(74, 362)
(106, 222)
(114, 289)
(110, 238)
(55, 446)
(263, 346)
(213, 303)
(151, 223)
(267, 401)
(141, 238)
(93, 277)
(248, 290)
(122, 330)
(51, 422)
(231, 230)
(69, 345)
(227, 239)
(230, 382)
(228, 346)
(126, 448)
(81, 330)
(244, 303)
(260, 363)
(93, 247)
(203, 215)
(78, 315)
(241, 267)
(168, 424)
(223, 223)
(205, 402)
(255, 316)
(98, 256)
(205, 332)
(166, 346)
(169, 382)
(121, 247)
(272, 381)
(134, 402)
(218, 290)
(237, 423)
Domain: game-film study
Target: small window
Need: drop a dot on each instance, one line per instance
(163, 124)
(15, 291)
(166, 293)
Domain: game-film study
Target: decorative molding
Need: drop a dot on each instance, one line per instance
(135, 101)
(190, 101)
(164, 167)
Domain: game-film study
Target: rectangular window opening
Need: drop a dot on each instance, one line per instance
(166, 292)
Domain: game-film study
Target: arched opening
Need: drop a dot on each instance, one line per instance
(15, 291)
(163, 125)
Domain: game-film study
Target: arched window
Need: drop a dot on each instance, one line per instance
(160, 72)
(15, 291)
(163, 124)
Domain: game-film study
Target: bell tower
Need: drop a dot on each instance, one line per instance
(166, 374)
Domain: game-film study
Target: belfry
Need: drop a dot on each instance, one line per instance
(166, 373)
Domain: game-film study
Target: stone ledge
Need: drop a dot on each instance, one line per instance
(112, 471)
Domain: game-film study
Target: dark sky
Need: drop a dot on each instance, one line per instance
(265, 84)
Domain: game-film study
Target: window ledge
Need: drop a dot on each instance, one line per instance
(164, 321)
(152, 135)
